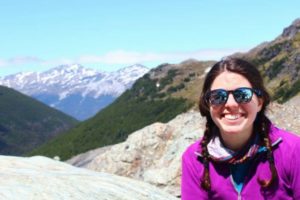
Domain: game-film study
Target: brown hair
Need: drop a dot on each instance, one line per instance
(261, 124)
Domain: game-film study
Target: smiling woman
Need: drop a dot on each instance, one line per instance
(235, 120)
(241, 150)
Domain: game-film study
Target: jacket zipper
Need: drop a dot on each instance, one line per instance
(239, 197)
(245, 179)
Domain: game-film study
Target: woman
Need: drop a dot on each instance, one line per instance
(241, 155)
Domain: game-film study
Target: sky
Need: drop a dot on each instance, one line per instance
(110, 34)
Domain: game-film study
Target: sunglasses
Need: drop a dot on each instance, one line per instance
(240, 95)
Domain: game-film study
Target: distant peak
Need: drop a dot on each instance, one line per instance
(296, 22)
(189, 61)
(22, 75)
(72, 69)
(292, 30)
(133, 67)
(68, 67)
(136, 66)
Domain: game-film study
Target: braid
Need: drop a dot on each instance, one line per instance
(205, 182)
(265, 128)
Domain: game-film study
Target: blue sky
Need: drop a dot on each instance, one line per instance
(106, 35)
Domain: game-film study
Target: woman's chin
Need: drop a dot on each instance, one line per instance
(232, 130)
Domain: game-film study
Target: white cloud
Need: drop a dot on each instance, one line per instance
(19, 60)
(2, 63)
(25, 59)
(124, 57)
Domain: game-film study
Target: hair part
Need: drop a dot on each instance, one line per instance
(261, 125)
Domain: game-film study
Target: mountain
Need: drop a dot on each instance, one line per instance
(26, 123)
(171, 89)
(73, 89)
(157, 96)
(279, 62)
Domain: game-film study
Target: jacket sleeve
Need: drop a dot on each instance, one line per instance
(295, 171)
(192, 171)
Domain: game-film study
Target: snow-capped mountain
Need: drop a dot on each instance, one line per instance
(74, 89)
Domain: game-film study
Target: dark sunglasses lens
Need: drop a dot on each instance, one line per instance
(242, 95)
(218, 97)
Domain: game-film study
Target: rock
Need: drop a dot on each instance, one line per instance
(152, 154)
(38, 178)
(82, 159)
(292, 30)
(286, 116)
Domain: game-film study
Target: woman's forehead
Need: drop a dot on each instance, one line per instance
(230, 81)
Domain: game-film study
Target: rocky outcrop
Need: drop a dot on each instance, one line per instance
(286, 116)
(292, 30)
(153, 153)
(40, 178)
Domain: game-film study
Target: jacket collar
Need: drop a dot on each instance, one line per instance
(217, 150)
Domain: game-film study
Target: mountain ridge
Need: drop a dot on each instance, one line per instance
(279, 62)
(86, 89)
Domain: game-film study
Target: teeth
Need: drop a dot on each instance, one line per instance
(231, 117)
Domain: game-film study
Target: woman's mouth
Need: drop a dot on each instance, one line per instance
(232, 116)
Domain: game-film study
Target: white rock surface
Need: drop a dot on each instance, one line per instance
(286, 116)
(152, 154)
(41, 178)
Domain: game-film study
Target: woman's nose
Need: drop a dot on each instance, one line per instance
(231, 101)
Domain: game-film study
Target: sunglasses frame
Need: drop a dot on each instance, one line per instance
(228, 92)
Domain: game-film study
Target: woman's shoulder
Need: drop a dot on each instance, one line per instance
(285, 135)
(193, 150)
(191, 157)
(288, 140)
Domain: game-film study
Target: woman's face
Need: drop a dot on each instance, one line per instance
(233, 118)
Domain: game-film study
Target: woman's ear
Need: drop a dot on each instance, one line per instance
(260, 104)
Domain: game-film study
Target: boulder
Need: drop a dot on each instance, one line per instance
(39, 178)
(152, 154)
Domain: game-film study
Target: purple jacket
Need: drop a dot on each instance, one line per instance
(287, 162)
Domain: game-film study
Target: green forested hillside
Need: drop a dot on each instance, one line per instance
(145, 103)
(26, 123)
